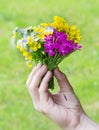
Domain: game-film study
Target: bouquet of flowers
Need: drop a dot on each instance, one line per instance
(48, 43)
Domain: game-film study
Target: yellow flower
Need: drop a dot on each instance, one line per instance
(30, 40)
(22, 49)
(29, 64)
(58, 19)
(60, 24)
(35, 46)
(28, 57)
(25, 53)
(78, 37)
(18, 46)
(73, 27)
(39, 45)
(41, 36)
(39, 31)
(74, 34)
(46, 25)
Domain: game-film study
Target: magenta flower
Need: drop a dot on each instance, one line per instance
(59, 43)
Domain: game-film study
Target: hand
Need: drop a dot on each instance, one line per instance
(63, 108)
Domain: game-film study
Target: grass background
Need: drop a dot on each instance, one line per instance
(16, 109)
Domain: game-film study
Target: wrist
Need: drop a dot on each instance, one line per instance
(86, 123)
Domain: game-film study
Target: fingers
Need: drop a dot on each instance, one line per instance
(37, 78)
(38, 85)
(33, 73)
(34, 81)
(62, 81)
(44, 84)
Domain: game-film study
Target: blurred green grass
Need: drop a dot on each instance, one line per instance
(16, 109)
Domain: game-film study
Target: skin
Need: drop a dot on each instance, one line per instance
(62, 108)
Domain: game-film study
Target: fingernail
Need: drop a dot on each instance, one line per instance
(56, 69)
(44, 67)
(39, 64)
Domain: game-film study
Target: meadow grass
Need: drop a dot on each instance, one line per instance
(16, 109)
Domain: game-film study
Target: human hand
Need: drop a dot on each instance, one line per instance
(63, 108)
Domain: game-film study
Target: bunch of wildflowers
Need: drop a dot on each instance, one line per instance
(48, 43)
